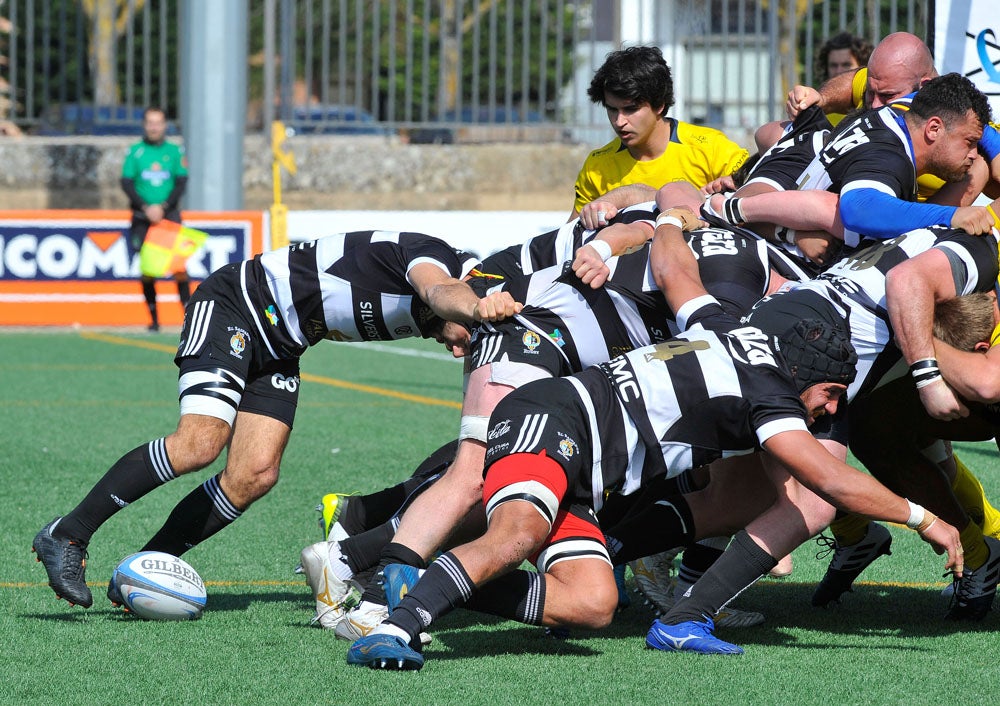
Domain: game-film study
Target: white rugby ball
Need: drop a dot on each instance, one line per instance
(160, 586)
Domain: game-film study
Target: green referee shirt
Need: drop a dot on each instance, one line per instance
(153, 168)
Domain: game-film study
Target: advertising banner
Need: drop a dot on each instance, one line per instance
(62, 268)
(967, 40)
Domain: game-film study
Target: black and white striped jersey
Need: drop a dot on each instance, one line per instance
(873, 151)
(855, 285)
(717, 390)
(556, 246)
(346, 287)
(590, 326)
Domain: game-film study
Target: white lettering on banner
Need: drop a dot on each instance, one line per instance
(58, 256)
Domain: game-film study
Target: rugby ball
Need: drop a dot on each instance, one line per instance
(160, 586)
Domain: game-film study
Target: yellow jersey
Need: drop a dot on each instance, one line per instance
(694, 154)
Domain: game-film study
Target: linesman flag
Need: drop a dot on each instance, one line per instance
(167, 247)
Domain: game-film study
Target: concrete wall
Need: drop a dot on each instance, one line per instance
(334, 173)
(360, 173)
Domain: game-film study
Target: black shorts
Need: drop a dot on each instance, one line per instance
(224, 364)
(512, 341)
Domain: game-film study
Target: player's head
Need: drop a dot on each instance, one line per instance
(453, 336)
(154, 124)
(968, 323)
(898, 66)
(948, 114)
(842, 52)
(637, 75)
(822, 362)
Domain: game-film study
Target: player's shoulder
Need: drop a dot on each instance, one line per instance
(698, 135)
(607, 151)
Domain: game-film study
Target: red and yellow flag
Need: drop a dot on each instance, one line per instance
(167, 247)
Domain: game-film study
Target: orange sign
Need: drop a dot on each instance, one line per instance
(60, 268)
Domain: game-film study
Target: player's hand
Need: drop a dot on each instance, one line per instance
(154, 212)
(972, 219)
(944, 538)
(718, 186)
(818, 246)
(496, 307)
(590, 267)
(596, 214)
(941, 402)
(800, 98)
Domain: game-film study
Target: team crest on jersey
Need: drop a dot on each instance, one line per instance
(499, 430)
(272, 315)
(558, 338)
(531, 341)
(238, 341)
(567, 447)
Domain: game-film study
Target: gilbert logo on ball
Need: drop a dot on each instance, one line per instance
(160, 586)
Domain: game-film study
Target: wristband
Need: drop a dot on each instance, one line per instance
(668, 219)
(925, 371)
(927, 525)
(732, 212)
(917, 515)
(602, 247)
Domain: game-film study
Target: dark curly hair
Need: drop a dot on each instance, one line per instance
(639, 74)
(861, 49)
(950, 97)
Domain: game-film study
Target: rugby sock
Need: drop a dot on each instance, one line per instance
(736, 570)
(848, 528)
(393, 553)
(133, 475)
(364, 512)
(519, 595)
(974, 546)
(362, 551)
(697, 558)
(970, 494)
(149, 292)
(204, 511)
(442, 588)
(184, 291)
(663, 524)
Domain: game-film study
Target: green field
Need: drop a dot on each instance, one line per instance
(73, 402)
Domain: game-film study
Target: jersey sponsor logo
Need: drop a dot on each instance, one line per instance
(272, 315)
(118, 501)
(499, 429)
(718, 242)
(870, 256)
(558, 338)
(751, 345)
(624, 379)
(843, 144)
(282, 382)
(366, 315)
(497, 449)
(156, 175)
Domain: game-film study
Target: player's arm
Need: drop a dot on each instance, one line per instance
(454, 300)
(672, 263)
(911, 290)
(857, 492)
(598, 212)
(834, 96)
(974, 376)
(799, 210)
(590, 263)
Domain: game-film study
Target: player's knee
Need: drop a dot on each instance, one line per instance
(595, 605)
(250, 485)
(193, 447)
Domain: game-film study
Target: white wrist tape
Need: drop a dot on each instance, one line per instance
(667, 219)
(917, 514)
(473, 427)
(602, 247)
